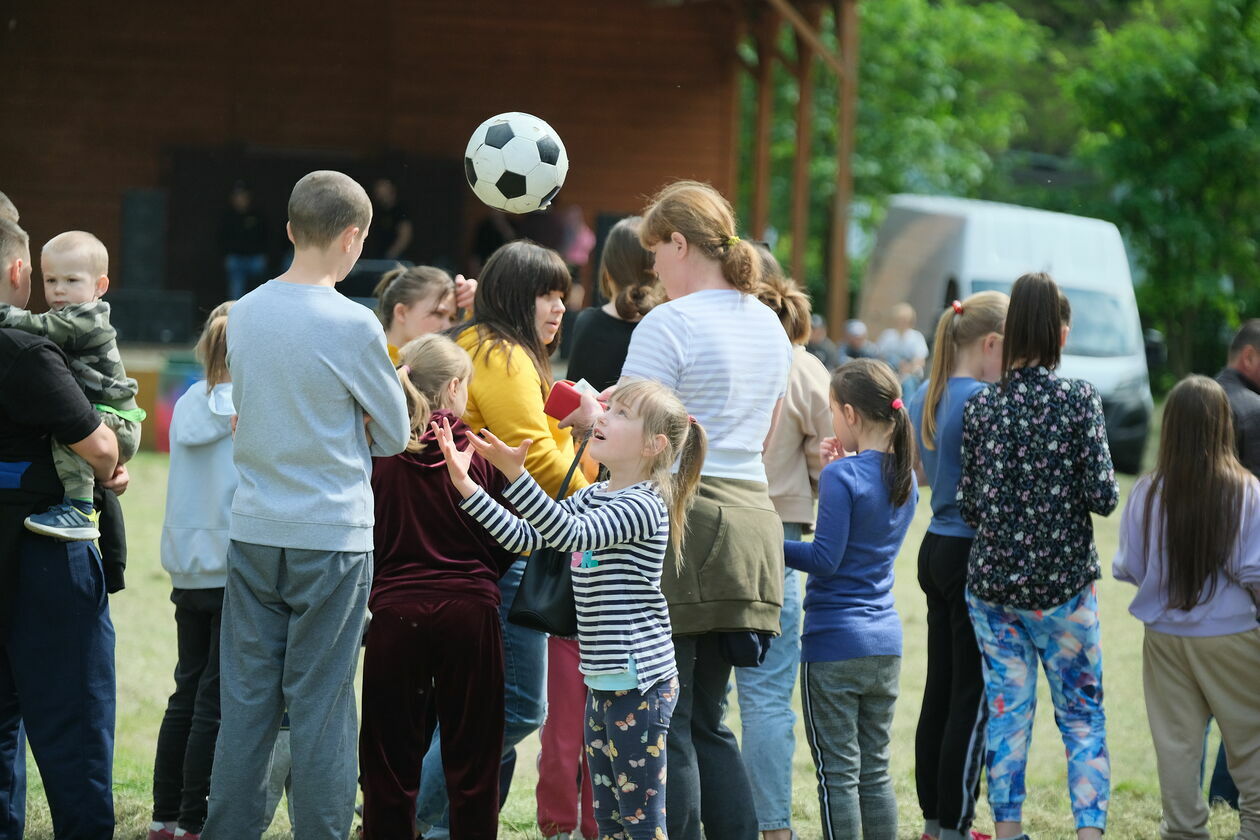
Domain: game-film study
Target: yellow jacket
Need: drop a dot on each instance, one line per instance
(506, 396)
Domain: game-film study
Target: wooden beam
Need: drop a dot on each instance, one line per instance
(767, 29)
(838, 281)
(808, 33)
(804, 142)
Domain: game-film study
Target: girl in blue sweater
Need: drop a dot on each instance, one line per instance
(851, 645)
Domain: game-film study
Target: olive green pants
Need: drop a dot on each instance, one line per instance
(76, 474)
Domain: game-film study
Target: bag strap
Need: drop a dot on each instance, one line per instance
(564, 485)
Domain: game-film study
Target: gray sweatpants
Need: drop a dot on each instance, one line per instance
(848, 708)
(291, 630)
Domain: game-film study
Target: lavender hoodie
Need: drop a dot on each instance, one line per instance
(1141, 561)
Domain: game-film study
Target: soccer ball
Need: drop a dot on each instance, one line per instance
(515, 162)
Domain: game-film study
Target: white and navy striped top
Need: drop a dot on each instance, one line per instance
(622, 535)
(727, 356)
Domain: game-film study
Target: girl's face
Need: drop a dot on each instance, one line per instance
(844, 422)
(617, 438)
(427, 315)
(548, 312)
(457, 396)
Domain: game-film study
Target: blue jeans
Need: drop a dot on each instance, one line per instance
(243, 272)
(525, 677)
(57, 681)
(767, 740)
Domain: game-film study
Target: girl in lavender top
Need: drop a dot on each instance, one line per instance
(1190, 542)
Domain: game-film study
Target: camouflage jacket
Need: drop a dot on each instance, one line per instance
(83, 331)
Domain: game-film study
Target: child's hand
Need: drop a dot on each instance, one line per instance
(367, 428)
(456, 461)
(830, 450)
(510, 460)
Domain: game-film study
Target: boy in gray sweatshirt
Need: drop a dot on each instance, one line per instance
(316, 397)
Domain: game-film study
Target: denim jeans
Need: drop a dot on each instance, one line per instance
(243, 272)
(525, 675)
(767, 740)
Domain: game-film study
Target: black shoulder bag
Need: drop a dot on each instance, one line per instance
(544, 600)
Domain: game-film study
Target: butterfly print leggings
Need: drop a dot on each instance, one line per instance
(625, 748)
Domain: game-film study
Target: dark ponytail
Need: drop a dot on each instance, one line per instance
(872, 389)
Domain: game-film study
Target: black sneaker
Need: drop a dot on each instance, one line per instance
(64, 522)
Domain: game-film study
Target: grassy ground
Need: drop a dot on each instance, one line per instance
(146, 657)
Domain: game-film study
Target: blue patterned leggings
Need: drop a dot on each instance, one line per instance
(625, 749)
(1066, 640)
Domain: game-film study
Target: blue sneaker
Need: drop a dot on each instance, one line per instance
(64, 522)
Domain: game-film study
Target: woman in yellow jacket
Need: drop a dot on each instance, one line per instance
(516, 326)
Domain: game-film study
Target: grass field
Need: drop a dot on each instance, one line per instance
(146, 657)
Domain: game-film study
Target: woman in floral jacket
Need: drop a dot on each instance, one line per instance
(1035, 464)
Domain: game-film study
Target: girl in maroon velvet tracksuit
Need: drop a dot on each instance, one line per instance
(434, 642)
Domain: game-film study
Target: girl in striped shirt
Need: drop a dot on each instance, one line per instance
(621, 528)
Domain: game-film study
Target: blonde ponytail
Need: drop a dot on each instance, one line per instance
(429, 363)
(960, 325)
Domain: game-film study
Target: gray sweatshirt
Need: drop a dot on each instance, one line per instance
(307, 364)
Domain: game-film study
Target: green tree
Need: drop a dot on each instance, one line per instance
(1171, 106)
(938, 101)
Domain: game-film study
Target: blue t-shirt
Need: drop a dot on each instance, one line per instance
(849, 608)
(943, 464)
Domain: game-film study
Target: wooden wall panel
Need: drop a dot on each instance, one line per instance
(95, 95)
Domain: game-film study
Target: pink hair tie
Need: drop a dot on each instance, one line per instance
(691, 419)
(958, 307)
(405, 369)
(897, 404)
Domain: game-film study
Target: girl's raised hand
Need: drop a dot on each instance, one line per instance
(510, 460)
(456, 461)
(830, 450)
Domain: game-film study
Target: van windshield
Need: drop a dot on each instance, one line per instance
(1100, 324)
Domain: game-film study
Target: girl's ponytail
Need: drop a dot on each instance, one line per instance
(211, 350)
(901, 464)
(872, 389)
(418, 409)
(684, 484)
(429, 363)
(963, 323)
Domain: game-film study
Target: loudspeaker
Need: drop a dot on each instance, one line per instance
(143, 238)
(152, 316)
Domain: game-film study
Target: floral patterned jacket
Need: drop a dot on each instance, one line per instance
(1035, 463)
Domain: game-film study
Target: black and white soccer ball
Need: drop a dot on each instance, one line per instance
(516, 162)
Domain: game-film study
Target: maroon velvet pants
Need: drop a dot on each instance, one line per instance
(444, 654)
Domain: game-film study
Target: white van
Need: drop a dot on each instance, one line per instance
(931, 251)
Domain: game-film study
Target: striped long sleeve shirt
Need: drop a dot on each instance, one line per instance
(622, 536)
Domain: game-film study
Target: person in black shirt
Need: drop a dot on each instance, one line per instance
(56, 638)
(1241, 381)
(390, 235)
(601, 335)
(243, 241)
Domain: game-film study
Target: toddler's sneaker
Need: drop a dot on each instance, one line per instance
(65, 522)
(162, 833)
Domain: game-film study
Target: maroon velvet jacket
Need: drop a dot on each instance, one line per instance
(425, 546)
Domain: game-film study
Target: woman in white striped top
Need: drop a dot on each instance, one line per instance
(621, 528)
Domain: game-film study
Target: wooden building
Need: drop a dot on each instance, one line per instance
(133, 119)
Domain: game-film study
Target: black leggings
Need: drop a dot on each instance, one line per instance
(185, 747)
(949, 743)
